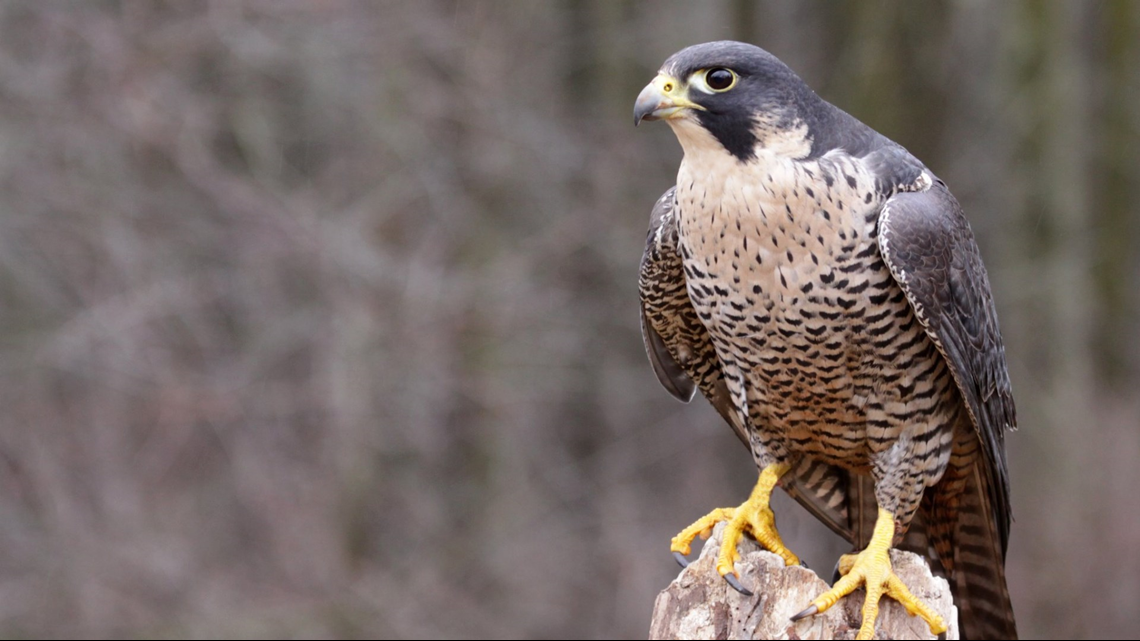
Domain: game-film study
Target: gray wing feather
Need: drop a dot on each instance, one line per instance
(664, 303)
(930, 250)
(671, 375)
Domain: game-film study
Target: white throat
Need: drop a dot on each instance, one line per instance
(788, 143)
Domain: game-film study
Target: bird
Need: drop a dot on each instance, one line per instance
(822, 288)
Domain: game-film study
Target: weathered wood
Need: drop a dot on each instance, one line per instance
(699, 604)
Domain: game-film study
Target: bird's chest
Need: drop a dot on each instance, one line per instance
(783, 268)
(767, 250)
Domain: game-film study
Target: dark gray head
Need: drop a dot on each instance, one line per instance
(740, 94)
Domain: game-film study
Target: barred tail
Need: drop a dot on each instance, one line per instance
(964, 533)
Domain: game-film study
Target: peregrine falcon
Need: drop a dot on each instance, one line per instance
(823, 290)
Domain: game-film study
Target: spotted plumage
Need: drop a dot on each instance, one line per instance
(822, 289)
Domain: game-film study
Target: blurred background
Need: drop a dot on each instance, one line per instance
(320, 319)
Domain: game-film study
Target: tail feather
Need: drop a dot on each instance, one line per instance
(964, 532)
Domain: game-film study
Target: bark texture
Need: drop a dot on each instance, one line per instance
(699, 604)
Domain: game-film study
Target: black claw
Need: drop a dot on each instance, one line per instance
(736, 585)
(812, 609)
(942, 637)
(681, 560)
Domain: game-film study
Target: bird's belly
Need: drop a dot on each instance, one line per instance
(816, 331)
(809, 377)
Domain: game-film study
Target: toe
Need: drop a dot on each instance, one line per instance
(737, 585)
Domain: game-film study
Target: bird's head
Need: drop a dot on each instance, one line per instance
(734, 95)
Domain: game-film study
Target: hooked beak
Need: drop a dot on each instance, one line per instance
(663, 98)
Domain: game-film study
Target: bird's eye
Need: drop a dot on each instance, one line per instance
(720, 79)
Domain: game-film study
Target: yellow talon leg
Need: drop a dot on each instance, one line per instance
(846, 562)
(754, 516)
(872, 568)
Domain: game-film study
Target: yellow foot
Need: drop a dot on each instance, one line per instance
(754, 516)
(872, 568)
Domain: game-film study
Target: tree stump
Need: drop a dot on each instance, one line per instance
(699, 604)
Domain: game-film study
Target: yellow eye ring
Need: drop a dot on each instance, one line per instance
(720, 79)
